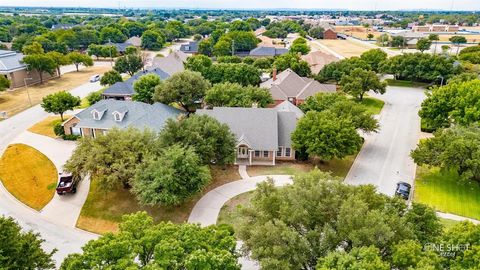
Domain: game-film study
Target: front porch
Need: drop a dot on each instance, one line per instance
(250, 157)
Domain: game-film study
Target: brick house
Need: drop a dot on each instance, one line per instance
(329, 34)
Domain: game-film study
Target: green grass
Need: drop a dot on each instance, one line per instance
(448, 223)
(402, 83)
(230, 212)
(84, 102)
(373, 105)
(446, 192)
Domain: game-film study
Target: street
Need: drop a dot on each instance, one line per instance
(385, 157)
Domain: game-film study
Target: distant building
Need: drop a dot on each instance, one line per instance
(329, 34)
(436, 28)
(172, 63)
(289, 86)
(107, 114)
(134, 41)
(124, 90)
(190, 48)
(267, 52)
(121, 47)
(12, 67)
(63, 26)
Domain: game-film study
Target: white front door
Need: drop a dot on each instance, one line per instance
(242, 152)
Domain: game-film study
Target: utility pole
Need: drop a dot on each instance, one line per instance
(233, 47)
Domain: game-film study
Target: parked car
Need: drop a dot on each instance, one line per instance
(403, 190)
(95, 78)
(66, 184)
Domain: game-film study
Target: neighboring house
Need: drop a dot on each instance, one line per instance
(263, 134)
(124, 90)
(135, 41)
(62, 26)
(121, 47)
(190, 48)
(267, 52)
(318, 59)
(329, 34)
(409, 35)
(107, 114)
(289, 86)
(172, 63)
(16, 72)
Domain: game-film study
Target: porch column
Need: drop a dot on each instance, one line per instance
(274, 155)
(249, 157)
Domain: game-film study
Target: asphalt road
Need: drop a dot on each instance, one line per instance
(385, 157)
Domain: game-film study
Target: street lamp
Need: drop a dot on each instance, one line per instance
(441, 83)
(26, 88)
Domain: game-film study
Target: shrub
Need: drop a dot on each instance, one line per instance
(94, 97)
(58, 129)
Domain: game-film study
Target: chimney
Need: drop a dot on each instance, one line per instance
(274, 74)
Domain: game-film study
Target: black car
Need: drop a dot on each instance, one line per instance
(403, 190)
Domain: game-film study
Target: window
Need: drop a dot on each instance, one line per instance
(187, 48)
(117, 117)
(265, 153)
(96, 115)
(279, 152)
(287, 152)
(257, 153)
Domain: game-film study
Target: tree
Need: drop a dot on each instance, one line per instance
(240, 26)
(342, 107)
(186, 88)
(60, 102)
(79, 58)
(235, 95)
(205, 47)
(170, 178)
(383, 40)
(336, 70)
(409, 254)
(454, 103)
(144, 88)
(326, 136)
(4, 83)
(284, 228)
(110, 78)
(59, 59)
(374, 57)
(197, 37)
(235, 73)
(34, 48)
(242, 41)
(456, 148)
(212, 141)
(294, 62)
(424, 44)
(128, 64)
(20, 249)
(112, 34)
(457, 40)
(142, 244)
(112, 159)
(41, 63)
(199, 63)
(361, 81)
(93, 98)
(434, 38)
(152, 40)
(316, 32)
(222, 47)
(370, 36)
(398, 42)
(300, 45)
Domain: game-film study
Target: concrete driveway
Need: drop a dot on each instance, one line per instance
(385, 157)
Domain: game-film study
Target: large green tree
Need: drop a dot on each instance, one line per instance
(336, 70)
(294, 62)
(110, 78)
(60, 102)
(236, 95)
(187, 89)
(456, 148)
(41, 63)
(360, 81)
(79, 58)
(144, 88)
(424, 44)
(374, 57)
(300, 45)
(212, 141)
(142, 244)
(59, 59)
(152, 40)
(130, 63)
(22, 250)
(171, 177)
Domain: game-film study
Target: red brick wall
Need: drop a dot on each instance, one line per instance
(329, 34)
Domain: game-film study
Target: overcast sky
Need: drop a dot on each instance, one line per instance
(259, 4)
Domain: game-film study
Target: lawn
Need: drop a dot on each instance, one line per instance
(403, 83)
(16, 101)
(346, 48)
(103, 209)
(28, 175)
(448, 223)
(373, 105)
(230, 214)
(45, 127)
(447, 193)
(338, 167)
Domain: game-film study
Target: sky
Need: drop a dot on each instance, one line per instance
(260, 4)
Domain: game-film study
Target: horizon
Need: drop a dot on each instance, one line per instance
(299, 5)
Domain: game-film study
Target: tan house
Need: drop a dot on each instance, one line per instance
(16, 72)
(263, 134)
(289, 86)
(318, 59)
(108, 113)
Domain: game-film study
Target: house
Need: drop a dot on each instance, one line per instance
(134, 41)
(263, 134)
(172, 63)
(124, 90)
(121, 47)
(329, 34)
(267, 52)
(289, 86)
(318, 59)
(12, 67)
(190, 48)
(107, 114)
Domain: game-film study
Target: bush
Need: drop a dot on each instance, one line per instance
(70, 137)
(58, 129)
(94, 97)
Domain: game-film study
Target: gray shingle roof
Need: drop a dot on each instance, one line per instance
(125, 88)
(259, 128)
(121, 47)
(135, 114)
(191, 47)
(268, 51)
(10, 61)
(172, 63)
